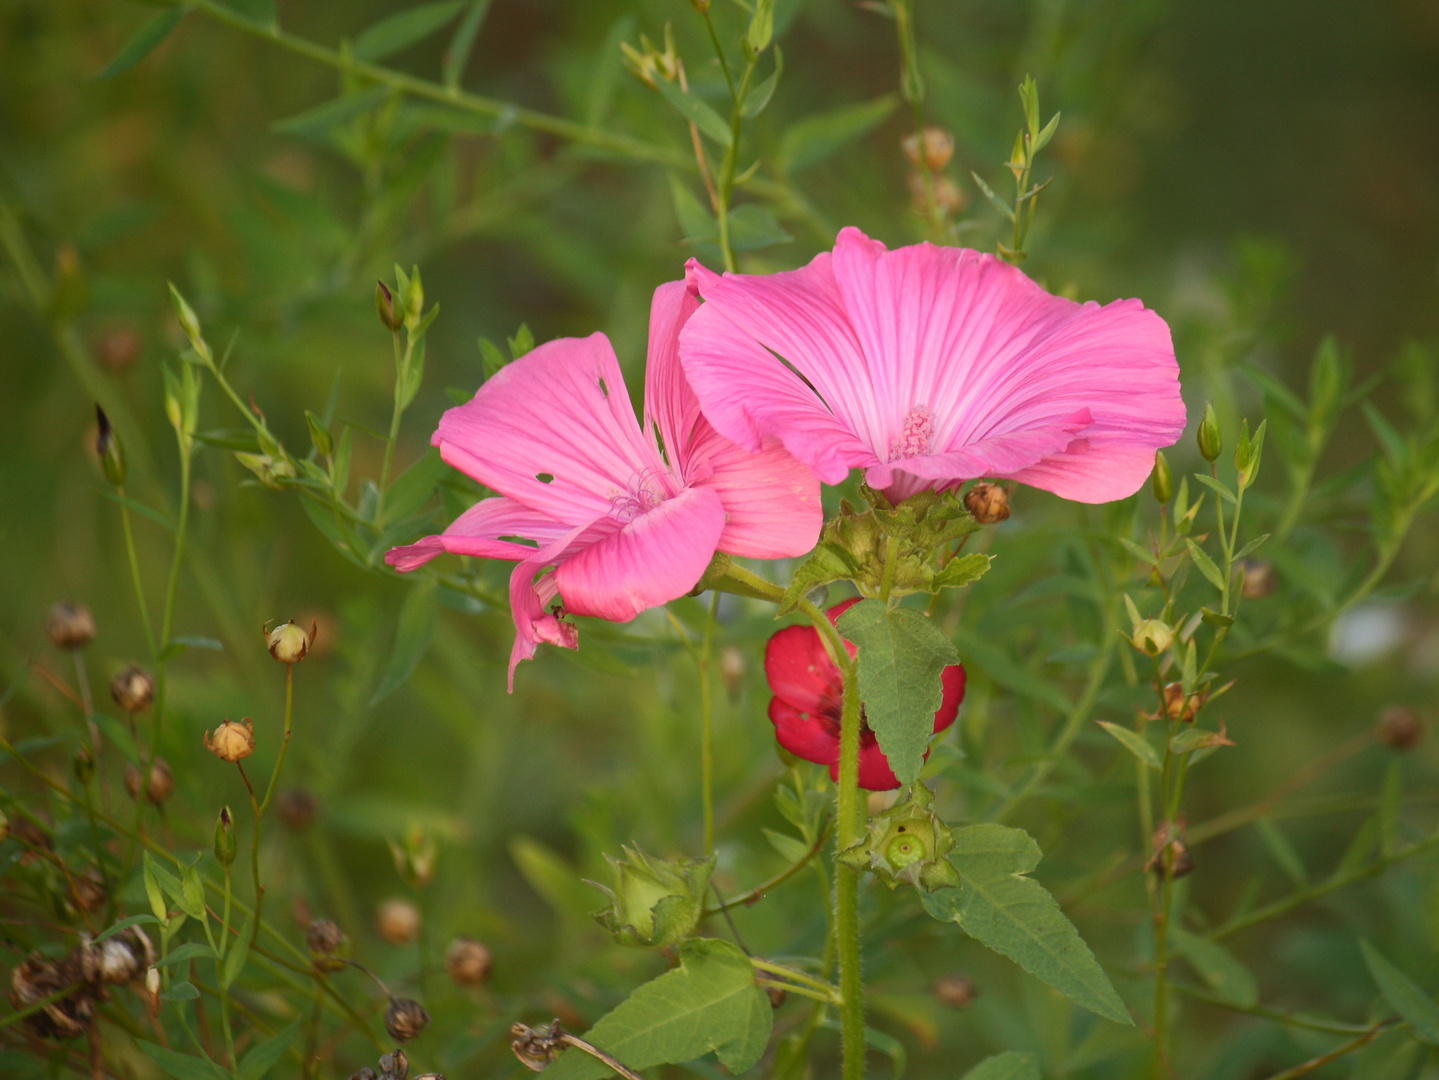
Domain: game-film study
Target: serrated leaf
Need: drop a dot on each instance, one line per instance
(826, 564)
(1206, 565)
(143, 41)
(1406, 998)
(901, 657)
(697, 112)
(962, 571)
(815, 138)
(181, 1066)
(1015, 915)
(419, 616)
(1013, 1065)
(1221, 969)
(404, 28)
(1135, 743)
(709, 1003)
(263, 1057)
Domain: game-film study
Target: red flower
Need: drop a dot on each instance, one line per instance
(808, 690)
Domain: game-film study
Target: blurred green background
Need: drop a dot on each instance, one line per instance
(1262, 174)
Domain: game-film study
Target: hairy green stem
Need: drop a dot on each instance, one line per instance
(707, 727)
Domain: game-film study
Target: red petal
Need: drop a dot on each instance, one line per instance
(953, 681)
(800, 671)
(874, 771)
(803, 735)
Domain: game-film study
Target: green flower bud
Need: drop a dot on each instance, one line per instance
(906, 844)
(107, 446)
(1152, 637)
(1211, 444)
(225, 838)
(414, 299)
(1162, 479)
(189, 321)
(390, 319)
(654, 902)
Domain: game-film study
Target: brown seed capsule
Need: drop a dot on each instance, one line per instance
(468, 962)
(1259, 578)
(938, 148)
(405, 1019)
(1176, 707)
(297, 808)
(328, 945)
(70, 626)
(133, 690)
(398, 921)
(288, 643)
(232, 742)
(948, 196)
(87, 889)
(776, 996)
(989, 503)
(365, 1073)
(956, 991)
(394, 1065)
(118, 959)
(36, 979)
(162, 781)
(1399, 727)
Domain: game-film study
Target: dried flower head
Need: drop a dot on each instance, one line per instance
(1171, 854)
(288, 643)
(398, 921)
(936, 150)
(161, 784)
(405, 1018)
(1258, 580)
(70, 626)
(36, 979)
(329, 946)
(1399, 727)
(1178, 706)
(394, 1065)
(989, 503)
(956, 991)
(87, 889)
(297, 808)
(119, 959)
(468, 962)
(133, 690)
(231, 741)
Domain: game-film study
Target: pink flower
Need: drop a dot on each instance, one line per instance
(928, 366)
(613, 519)
(808, 694)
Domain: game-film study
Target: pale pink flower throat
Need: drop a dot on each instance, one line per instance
(917, 436)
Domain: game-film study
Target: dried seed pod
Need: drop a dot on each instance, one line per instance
(365, 1073)
(328, 945)
(87, 889)
(133, 690)
(118, 959)
(1178, 707)
(162, 781)
(395, 1064)
(36, 979)
(70, 626)
(1258, 578)
(398, 921)
(989, 503)
(232, 742)
(1399, 727)
(776, 995)
(468, 962)
(956, 991)
(405, 1018)
(935, 150)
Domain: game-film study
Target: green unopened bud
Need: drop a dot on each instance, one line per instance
(906, 844)
(107, 446)
(1210, 442)
(1162, 479)
(1152, 637)
(654, 902)
(391, 319)
(225, 838)
(189, 321)
(270, 471)
(288, 643)
(414, 299)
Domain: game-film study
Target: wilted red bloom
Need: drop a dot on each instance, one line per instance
(808, 694)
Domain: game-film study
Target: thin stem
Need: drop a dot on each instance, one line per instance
(1333, 1055)
(742, 582)
(780, 971)
(402, 368)
(254, 852)
(135, 576)
(784, 875)
(731, 160)
(846, 902)
(707, 727)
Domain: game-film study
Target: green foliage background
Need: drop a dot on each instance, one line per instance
(1261, 174)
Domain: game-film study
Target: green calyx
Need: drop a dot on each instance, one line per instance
(654, 902)
(906, 844)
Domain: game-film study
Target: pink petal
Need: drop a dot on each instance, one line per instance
(995, 456)
(653, 559)
(560, 411)
(670, 404)
(748, 393)
(534, 625)
(771, 500)
(477, 532)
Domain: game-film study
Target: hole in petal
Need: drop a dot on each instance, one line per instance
(545, 478)
(604, 389)
(525, 540)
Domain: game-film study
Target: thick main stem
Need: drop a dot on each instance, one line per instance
(846, 885)
(707, 728)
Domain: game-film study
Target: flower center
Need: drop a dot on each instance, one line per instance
(915, 438)
(643, 493)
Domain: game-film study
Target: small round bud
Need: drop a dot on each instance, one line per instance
(152, 981)
(162, 782)
(1152, 637)
(956, 991)
(1258, 580)
(297, 808)
(394, 1065)
(467, 962)
(133, 690)
(231, 741)
(107, 448)
(1161, 480)
(934, 151)
(405, 1019)
(225, 838)
(398, 921)
(288, 643)
(1399, 727)
(83, 763)
(390, 319)
(1175, 705)
(70, 626)
(328, 945)
(776, 996)
(989, 503)
(1210, 442)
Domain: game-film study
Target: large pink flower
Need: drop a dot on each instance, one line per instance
(613, 519)
(928, 366)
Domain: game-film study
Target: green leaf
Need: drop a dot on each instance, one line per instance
(1207, 567)
(962, 571)
(457, 54)
(1217, 486)
(980, 651)
(752, 227)
(418, 618)
(1230, 980)
(1283, 852)
(815, 138)
(119, 735)
(194, 641)
(901, 656)
(1148, 558)
(404, 28)
(182, 1066)
(827, 563)
(152, 31)
(759, 96)
(264, 1056)
(235, 959)
(1013, 1065)
(550, 875)
(167, 881)
(1135, 743)
(522, 342)
(710, 1002)
(696, 222)
(697, 112)
(327, 116)
(1389, 440)
(133, 920)
(153, 892)
(1250, 547)
(994, 200)
(192, 894)
(414, 487)
(141, 509)
(180, 991)
(1407, 999)
(193, 950)
(1015, 915)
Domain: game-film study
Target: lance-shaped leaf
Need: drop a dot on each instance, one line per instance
(901, 657)
(1408, 1000)
(419, 615)
(1013, 1065)
(404, 28)
(710, 1002)
(152, 31)
(1012, 914)
(1221, 969)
